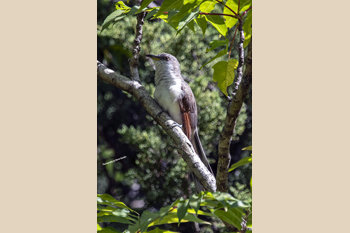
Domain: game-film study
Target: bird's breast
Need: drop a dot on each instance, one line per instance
(167, 94)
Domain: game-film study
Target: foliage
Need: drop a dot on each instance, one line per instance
(181, 13)
(214, 205)
(153, 170)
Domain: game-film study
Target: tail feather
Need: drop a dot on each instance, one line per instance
(199, 150)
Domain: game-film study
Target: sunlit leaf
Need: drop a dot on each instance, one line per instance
(207, 6)
(224, 74)
(157, 230)
(230, 21)
(151, 13)
(240, 163)
(248, 148)
(218, 23)
(121, 6)
(247, 28)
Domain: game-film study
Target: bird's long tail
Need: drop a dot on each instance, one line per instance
(199, 150)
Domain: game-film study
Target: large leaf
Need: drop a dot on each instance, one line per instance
(110, 19)
(224, 74)
(229, 217)
(241, 163)
(207, 7)
(105, 199)
(202, 23)
(169, 5)
(182, 209)
(230, 21)
(112, 218)
(146, 218)
(218, 23)
(108, 230)
(247, 28)
(195, 201)
(187, 7)
(172, 218)
(186, 20)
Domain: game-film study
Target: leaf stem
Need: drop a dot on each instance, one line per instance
(229, 54)
(228, 7)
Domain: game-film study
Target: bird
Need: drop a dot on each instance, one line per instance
(175, 96)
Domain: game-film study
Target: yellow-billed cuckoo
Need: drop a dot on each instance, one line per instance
(175, 96)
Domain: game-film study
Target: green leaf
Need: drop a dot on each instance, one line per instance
(110, 18)
(190, 25)
(144, 5)
(168, 5)
(108, 230)
(164, 211)
(251, 184)
(112, 218)
(146, 218)
(248, 148)
(207, 6)
(151, 13)
(133, 10)
(188, 18)
(217, 43)
(182, 209)
(195, 202)
(221, 198)
(202, 23)
(157, 230)
(229, 217)
(224, 74)
(230, 21)
(218, 23)
(105, 199)
(187, 8)
(99, 227)
(193, 218)
(247, 28)
(121, 6)
(221, 53)
(240, 163)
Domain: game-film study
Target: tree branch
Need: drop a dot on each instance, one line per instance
(232, 115)
(185, 147)
(134, 62)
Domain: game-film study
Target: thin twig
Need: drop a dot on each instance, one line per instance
(229, 54)
(134, 62)
(245, 12)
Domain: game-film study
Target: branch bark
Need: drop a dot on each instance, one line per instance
(233, 110)
(185, 147)
(134, 62)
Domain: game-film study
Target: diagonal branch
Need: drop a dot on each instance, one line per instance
(185, 147)
(233, 110)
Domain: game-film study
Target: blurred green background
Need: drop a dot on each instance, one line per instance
(153, 174)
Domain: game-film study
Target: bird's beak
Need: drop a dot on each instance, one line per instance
(156, 58)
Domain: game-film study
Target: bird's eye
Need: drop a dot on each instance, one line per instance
(166, 58)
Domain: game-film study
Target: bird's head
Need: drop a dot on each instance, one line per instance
(165, 63)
